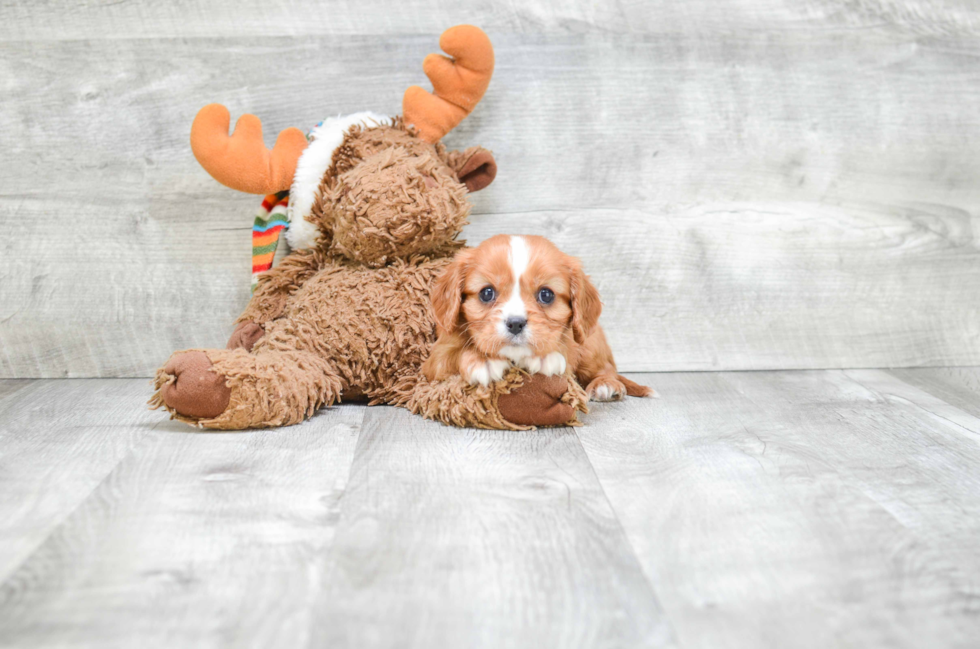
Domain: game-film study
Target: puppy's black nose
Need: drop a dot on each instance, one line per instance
(515, 324)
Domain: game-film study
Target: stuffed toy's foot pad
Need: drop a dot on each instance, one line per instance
(245, 335)
(196, 389)
(537, 402)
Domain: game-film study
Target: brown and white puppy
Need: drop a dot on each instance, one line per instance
(519, 300)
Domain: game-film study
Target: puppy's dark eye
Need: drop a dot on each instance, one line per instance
(546, 296)
(487, 294)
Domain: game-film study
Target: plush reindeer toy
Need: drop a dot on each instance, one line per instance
(376, 204)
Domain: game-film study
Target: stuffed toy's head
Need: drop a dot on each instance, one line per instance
(366, 186)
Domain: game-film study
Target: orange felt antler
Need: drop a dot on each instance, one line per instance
(458, 84)
(242, 161)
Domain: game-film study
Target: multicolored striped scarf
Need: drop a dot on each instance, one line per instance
(270, 222)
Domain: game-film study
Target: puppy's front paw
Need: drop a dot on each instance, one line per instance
(605, 389)
(550, 365)
(484, 373)
(553, 363)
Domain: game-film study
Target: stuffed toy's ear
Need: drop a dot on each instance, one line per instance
(586, 305)
(447, 294)
(474, 167)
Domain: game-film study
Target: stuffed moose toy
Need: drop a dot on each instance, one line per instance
(376, 204)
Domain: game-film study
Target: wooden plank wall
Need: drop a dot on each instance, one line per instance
(752, 184)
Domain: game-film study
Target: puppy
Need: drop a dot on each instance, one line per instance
(518, 300)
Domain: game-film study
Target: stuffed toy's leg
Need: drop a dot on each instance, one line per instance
(233, 389)
(518, 402)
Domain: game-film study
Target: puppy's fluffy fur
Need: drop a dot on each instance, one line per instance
(519, 300)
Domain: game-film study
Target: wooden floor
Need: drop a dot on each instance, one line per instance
(756, 509)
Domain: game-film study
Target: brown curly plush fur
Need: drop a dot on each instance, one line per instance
(351, 317)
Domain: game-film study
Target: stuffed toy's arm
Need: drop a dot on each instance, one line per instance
(518, 402)
(273, 289)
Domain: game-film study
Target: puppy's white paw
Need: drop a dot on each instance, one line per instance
(485, 373)
(532, 364)
(606, 393)
(553, 363)
(606, 390)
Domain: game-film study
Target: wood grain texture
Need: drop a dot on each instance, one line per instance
(10, 386)
(194, 539)
(798, 509)
(799, 195)
(63, 19)
(757, 509)
(451, 538)
(958, 386)
(888, 387)
(58, 441)
(391, 532)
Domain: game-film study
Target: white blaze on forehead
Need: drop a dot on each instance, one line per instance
(519, 257)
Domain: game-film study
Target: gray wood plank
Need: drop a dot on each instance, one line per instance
(798, 198)
(10, 386)
(799, 119)
(959, 386)
(782, 509)
(195, 539)
(63, 19)
(452, 537)
(889, 387)
(797, 509)
(58, 441)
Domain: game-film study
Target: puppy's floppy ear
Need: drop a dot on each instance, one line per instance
(586, 305)
(447, 293)
(474, 167)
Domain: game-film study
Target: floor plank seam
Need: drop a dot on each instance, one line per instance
(648, 579)
(972, 434)
(71, 512)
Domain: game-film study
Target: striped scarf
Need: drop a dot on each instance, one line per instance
(270, 222)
